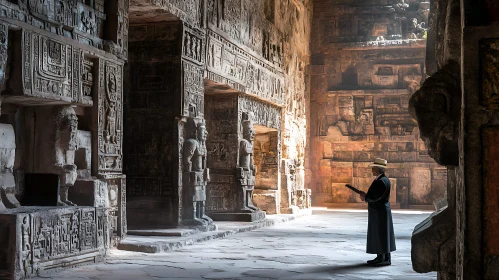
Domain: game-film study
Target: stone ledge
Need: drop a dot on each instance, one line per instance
(155, 244)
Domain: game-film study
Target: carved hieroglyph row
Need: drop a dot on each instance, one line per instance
(264, 114)
(61, 233)
(110, 116)
(229, 64)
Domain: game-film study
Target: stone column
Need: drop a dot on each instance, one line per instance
(477, 203)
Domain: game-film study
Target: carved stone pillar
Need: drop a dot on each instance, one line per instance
(195, 176)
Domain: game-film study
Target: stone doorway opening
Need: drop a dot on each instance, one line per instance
(266, 155)
(153, 86)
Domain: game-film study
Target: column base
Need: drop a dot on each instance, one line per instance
(238, 216)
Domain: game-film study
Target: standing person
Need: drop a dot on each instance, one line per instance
(380, 236)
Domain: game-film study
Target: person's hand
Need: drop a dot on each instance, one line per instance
(363, 196)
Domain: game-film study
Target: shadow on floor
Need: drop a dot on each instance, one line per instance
(335, 269)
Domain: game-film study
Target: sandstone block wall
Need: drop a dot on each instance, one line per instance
(367, 59)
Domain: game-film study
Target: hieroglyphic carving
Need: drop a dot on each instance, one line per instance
(52, 69)
(110, 116)
(52, 234)
(219, 193)
(87, 78)
(231, 65)
(193, 90)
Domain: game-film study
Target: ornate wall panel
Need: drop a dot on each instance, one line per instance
(231, 65)
(50, 238)
(193, 90)
(110, 116)
(51, 68)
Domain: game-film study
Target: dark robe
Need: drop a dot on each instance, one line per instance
(380, 236)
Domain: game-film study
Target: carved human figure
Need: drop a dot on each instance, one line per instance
(7, 157)
(26, 246)
(196, 176)
(246, 169)
(65, 147)
(111, 93)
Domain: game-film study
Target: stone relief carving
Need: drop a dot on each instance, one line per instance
(3, 54)
(263, 113)
(52, 234)
(193, 45)
(110, 116)
(7, 157)
(53, 69)
(228, 64)
(193, 90)
(434, 107)
(246, 169)
(195, 175)
(66, 129)
(87, 78)
(187, 10)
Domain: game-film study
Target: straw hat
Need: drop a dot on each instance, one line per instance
(379, 162)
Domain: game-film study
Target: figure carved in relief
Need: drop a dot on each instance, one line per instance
(89, 23)
(246, 169)
(26, 246)
(196, 176)
(65, 147)
(112, 96)
(7, 157)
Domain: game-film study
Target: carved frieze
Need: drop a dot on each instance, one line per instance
(193, 45)
(190, 11)
(231, 65)
(110, 118)
(264, 114)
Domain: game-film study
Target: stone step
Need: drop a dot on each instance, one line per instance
(163, 243)
(176, 232)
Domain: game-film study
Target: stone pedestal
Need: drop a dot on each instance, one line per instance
(43, 238)
(267, 200)
(239, 216)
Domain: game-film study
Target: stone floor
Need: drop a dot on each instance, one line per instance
(328, 245)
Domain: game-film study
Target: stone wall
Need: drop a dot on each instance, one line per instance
(62, 190)
(367, 60)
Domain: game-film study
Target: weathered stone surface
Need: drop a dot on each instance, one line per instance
(61, 86)
(367, 61)
(47, 238)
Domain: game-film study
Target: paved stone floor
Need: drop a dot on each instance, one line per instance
(328, 245)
